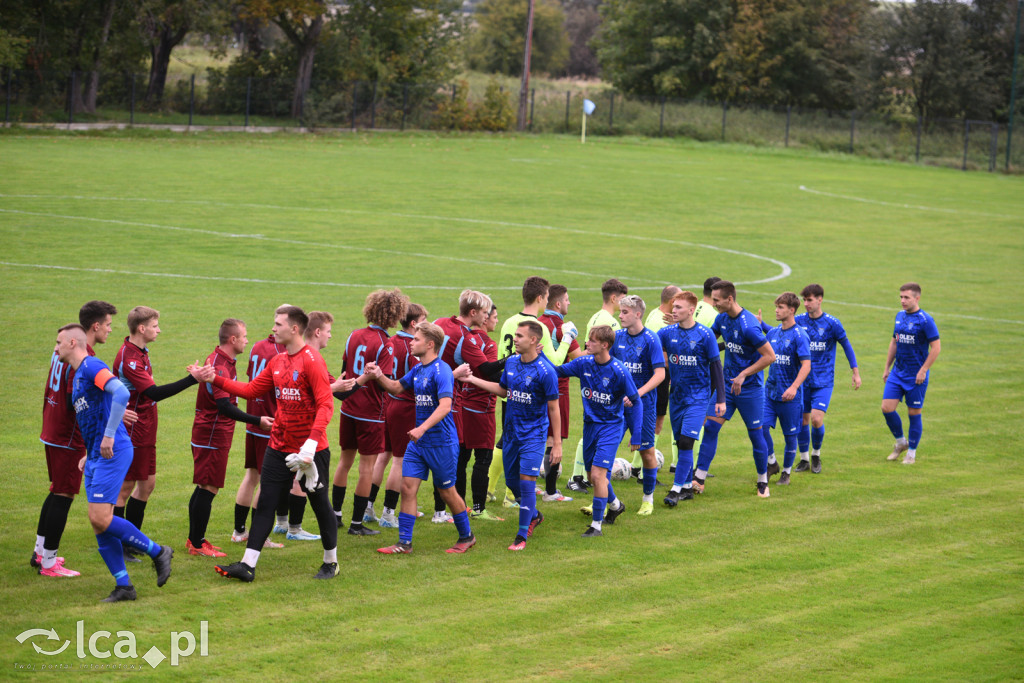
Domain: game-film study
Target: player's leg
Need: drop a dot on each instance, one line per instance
(530, 457)
(751, 406)
(414, 472)
(767, 424)
(915, 404)
(790, 418)
(65, 484)
(892, 394)
(370, 437)
(804, 435)
(209, 468)
(650, 462)
(135, 506)
(380, 467)
(392, 494)
(709, 440)
(599, 477)
(247, 487)
(442, 464)
(320, 502)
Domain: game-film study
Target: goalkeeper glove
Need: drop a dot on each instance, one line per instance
(302, 459)
(569, 331)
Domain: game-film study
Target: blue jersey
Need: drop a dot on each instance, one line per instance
(690, 355)
(824, 332)
(603, 387)
(430, 383)
(743, 337)
(641, 354)
(92, 407)
(913, 333)
(791, 347)
(530, 386)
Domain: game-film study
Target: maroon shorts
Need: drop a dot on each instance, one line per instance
(361, 435)
(62, 467)
(401, 417)
(143, 464)
(563, 414)
(211, 464)
(479, 429)
(459, 427)
(255, 447)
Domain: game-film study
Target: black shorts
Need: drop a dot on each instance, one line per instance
(663, 390)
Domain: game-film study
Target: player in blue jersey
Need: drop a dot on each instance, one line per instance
(747, 353)
(783, 391)
(604, 384)
(824, 332)
(100, 401)
(640, 351)
(530, 386)
(434, 441)
(912, 350)
(694, 369)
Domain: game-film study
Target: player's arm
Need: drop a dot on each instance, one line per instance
(570, 369)
(890, 356)
(392, 386)
(766, 359)
(718, 382)
(636, 416)
(657, 378)
(562, 351)
(472, 354)
(934, 349)
(233, 412)
(158, 393)
(555, 418)
(119, 395)
(444, 406)
(263, 383)
(490, 387)
(805, 368)
(852, 358)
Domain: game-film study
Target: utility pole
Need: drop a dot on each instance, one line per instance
(524, 87)
(1013, 85)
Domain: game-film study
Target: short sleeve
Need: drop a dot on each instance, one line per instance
(931, 331)
(445, 382)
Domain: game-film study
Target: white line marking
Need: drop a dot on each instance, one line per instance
(785, 270)
(917, 207)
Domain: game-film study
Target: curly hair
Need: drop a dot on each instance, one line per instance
(385, 307)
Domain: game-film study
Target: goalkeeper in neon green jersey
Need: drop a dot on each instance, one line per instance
(611, 291)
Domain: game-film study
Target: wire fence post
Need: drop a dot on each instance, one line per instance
(71, 99)
(568, 99)
(405, 105)
(191, 99)
(661, 119)
(853, 128)
(453, 93)
(533, 94)
(131, 99)
(995, 148)
(967, 134)
(917, 152)
(611, 110)
(725, 108)
(355, 98)
(7, 97)
(373, 107)
(248, 98)
(789, 112)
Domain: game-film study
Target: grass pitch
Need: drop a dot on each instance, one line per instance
(870, 570)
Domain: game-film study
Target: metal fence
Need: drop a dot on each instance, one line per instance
(254, 103)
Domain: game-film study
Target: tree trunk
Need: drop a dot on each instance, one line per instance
(166, 39)
(307, 51)
(91, 84)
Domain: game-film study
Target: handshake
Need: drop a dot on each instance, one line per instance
(305, 469)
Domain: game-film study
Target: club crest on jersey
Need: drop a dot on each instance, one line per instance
(735, 334)
(131, 364)
(295, 375)
(527, 380)
(605, 381)
(693, 344)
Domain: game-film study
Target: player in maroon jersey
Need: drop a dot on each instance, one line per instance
(362, 413)
(63, 444)
(478, 426)
(133, 369)
(553, 319)
(298, 438)
(213, 429)
(399, 414)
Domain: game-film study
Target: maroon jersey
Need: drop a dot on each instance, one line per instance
(396, 361)
(210, 429)
(59, 425)
(460, 344)
(553, 321)
(133, 369)
(303, 393)
(265, 405)
(363, 346)
(473, 398)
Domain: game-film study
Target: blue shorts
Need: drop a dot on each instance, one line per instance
(817, 398)
(901, 388)
(600, 444)
(522, 456)
(687, 419)
(104, 478)
(420, 461)
(750, 403)
(650, 420)
(788, 413)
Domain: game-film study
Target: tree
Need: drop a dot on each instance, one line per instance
(582, 20)
(499, 41)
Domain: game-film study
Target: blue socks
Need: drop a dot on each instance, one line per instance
(803, 438)
(684, 468)
(817, 435)
(895, 424)
(527, 506)
(769, 442)
(129, 534)
(405, 523)
(462, 524)
(113, 555)
(709, 445)
(760, 450)
(914, 433)
(650, 479)
(790, 456)
(599, 505)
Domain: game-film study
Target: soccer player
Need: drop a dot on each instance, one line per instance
(530, 385)
(63, 444)
(611, 291)
(478, 428)
(100, 401)
(362, 414)
(705, 313)
(256, 440)
(657, 319)
(400, 412)
(695, 369)
(747, 353)
(554, 320)
(298, 439)
(783, 391)
(434, 443)
(604, 383)
(213, 430)
(824, 331)
(640, 352)
(133, 369)
(913, 349)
